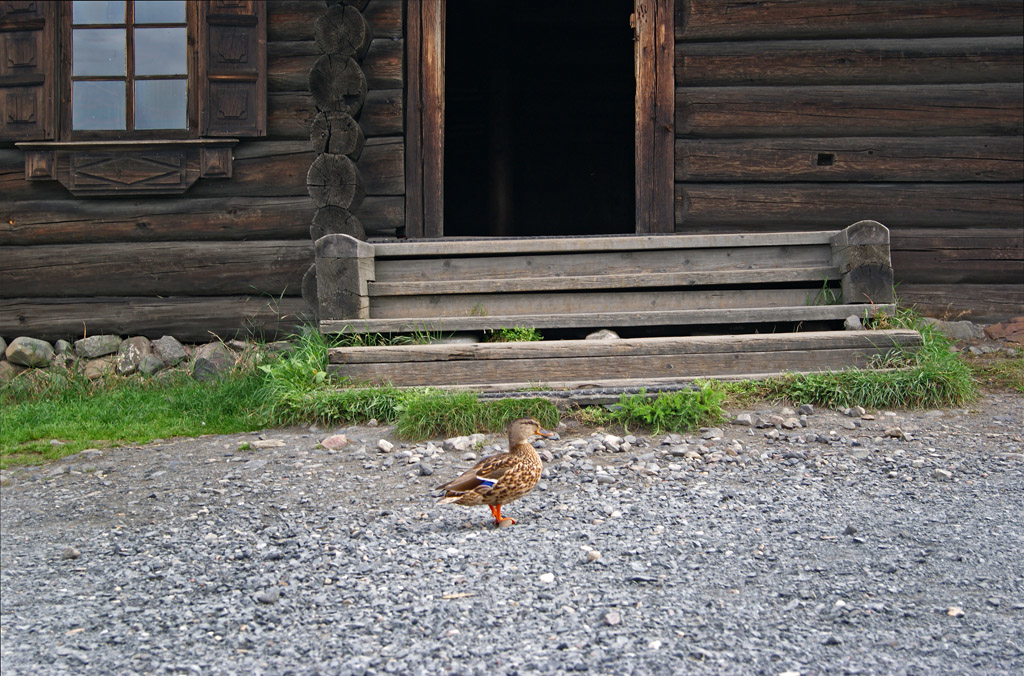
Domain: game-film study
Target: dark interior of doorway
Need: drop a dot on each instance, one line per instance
(539, 118)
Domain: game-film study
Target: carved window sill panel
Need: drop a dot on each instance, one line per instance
(104, 168)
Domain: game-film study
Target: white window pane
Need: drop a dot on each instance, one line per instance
(98, 11)
(97, 105)
(161, 51)
(161, 104)
(98, 51)
(160, 11)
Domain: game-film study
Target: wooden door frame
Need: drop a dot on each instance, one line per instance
(654, 35)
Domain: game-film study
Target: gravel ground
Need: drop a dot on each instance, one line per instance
(876, 544)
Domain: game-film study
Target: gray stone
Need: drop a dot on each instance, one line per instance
(131, 353)
(603, 334)
(853, 323)
(943, 475)
(169, 350)
(31, 352)
(456, 339)
(744, 419)
(97, 346)
(151, 364)
(9, 370)
(94, 369)
(960, 330)
(63, 347)
(3, 348)
(212, 361)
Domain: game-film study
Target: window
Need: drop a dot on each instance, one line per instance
(131, 97)
(129, 65)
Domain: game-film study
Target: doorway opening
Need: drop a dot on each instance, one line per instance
(539, 118)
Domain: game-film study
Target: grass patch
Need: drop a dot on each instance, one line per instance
(932, 376)
(516, 334)
(82, 414)
(998, 373)
(680, 411)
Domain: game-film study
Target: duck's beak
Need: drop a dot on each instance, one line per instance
(544, 433)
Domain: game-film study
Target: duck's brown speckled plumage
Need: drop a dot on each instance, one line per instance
(499, 479)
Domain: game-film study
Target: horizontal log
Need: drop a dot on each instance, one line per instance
(943, 158)
(754, 206)
(968, 255)
(262, 168)
(154, 220)
(627, 347)
(589, 282)
(984, 303)
(383, 64)
(383, 114)
(876, 110)
(847, 62)
(289, 115)
(289, 73)
(273, 267)
(385, 18)
(382, 166)
(769, 19)
(187, 319)
(382, 215)
(745, 316)
(289, 20)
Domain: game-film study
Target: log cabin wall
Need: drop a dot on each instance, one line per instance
(817, 113)
(227, 256)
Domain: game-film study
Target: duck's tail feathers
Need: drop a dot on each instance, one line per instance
(447, 499)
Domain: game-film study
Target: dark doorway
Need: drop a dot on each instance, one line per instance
(539, 118)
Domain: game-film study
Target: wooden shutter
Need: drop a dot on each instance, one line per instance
(233, 68)
(27, 38)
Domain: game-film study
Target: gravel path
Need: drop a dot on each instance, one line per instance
(883, 544)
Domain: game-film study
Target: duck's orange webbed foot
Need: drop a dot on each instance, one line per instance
(498, 519)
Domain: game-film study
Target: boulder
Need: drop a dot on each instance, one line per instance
(97, 346)
(63, 347)
(1011, 330)
(131, 353)
(32, 352)
(211, 361)
(3, 349)
(169, 350)
(9, 370)
(101, 367)
(151, 364)
(603, 334)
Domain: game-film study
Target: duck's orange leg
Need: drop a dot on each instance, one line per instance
(496, 512)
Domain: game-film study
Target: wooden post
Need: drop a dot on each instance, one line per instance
(861, 253)
(344, 265)
(655, 115)
(424, 157)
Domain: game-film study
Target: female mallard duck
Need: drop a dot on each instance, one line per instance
(499, 479)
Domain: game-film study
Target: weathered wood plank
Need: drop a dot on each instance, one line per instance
(977, 302)
(262, 169)
(292, 20)
(289, 72)
(626, 262)
(846, 62)
(614, 281)
(585, 366)
(153, 220)
(188, 319)
(289, 115)
(974, 256)
(949, 158)
(676, 346)
(768, 19)
(875, 110)
(383, 114)
(654, 114)
(514, 245)
(829, 205)
(557, 304)
(382, 166)
(385, 18)
(752, 316)
(382, 214)
(383, 64)
(273, 267)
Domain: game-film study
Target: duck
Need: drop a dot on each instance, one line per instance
(499, 479)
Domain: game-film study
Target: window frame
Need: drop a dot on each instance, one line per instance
(66, 48)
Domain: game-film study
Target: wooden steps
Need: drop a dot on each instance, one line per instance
(613, 363)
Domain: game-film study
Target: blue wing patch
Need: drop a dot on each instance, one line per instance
(487, 483)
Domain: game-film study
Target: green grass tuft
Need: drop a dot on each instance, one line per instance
(680, 411)
(517, 334)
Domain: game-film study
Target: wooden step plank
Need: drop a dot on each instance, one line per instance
(540, 370)
(569, 303)
(615, 281)
(800, 313)
(485, 267)
(627, 347)
(490, 245)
